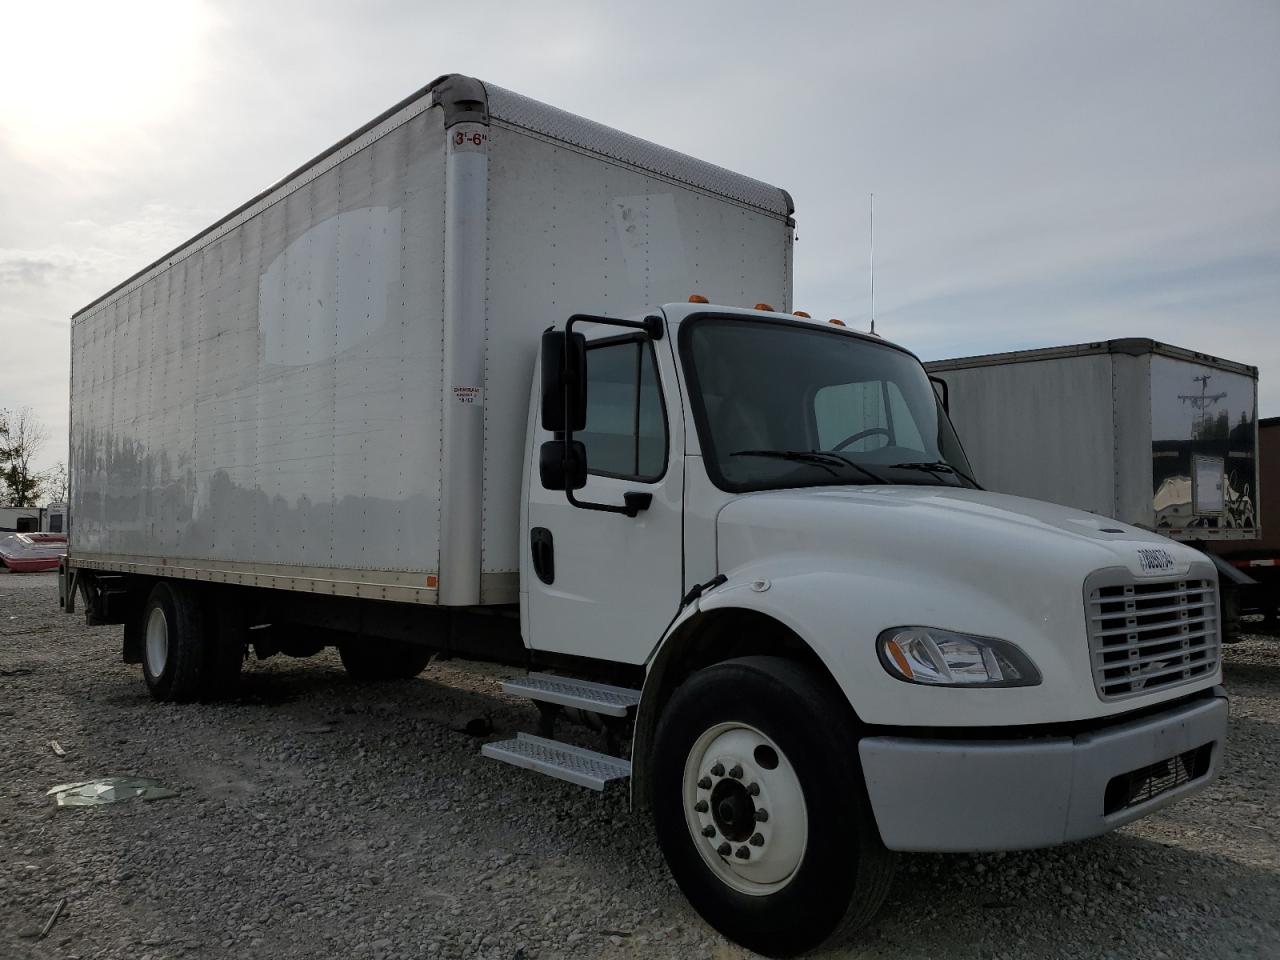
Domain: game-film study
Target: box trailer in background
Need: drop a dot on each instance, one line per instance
(19, 519)
(1260, 559)
(455, 387)
(1151, 434)
(53, 518)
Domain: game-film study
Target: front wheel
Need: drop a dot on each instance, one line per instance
(760, 807)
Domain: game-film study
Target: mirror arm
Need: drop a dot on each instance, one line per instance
(946, 393)
(634, 501)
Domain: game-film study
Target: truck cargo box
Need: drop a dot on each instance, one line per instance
(1148, 433)
(327, 390)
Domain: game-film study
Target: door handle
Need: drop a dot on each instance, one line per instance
(542, 548)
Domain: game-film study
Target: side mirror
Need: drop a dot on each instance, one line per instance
(943, 392)
(564, 382)
(562, 466)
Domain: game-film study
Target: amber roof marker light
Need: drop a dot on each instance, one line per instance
(801, 313)
(837, 323)
(767, 308)
(698, 298)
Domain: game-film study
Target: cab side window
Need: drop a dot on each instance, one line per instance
(626, 433)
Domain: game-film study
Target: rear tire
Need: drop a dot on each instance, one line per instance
(173, 643)
(368, 659)
(739, 737)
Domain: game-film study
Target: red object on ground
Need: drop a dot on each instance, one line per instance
(31, 552)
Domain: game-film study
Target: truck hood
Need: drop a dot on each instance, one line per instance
(933, 525)
(839, 565)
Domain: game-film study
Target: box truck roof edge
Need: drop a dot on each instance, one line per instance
(1130, 346)
(467, 99)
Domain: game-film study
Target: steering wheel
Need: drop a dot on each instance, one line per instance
(859, 436)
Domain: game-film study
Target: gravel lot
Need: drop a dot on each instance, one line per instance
(321, 818)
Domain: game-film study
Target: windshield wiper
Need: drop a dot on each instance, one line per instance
(938, 468)
(818, 458)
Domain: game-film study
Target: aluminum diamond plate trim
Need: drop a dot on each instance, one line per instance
(586, 768)
(519, 111)
(568, 692)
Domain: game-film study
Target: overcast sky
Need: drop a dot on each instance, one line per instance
(1044, 173)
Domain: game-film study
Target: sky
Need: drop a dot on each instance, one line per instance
(1044, 172)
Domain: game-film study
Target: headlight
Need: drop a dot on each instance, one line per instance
(942, 658)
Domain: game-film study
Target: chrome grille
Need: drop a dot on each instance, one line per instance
(1148, 635)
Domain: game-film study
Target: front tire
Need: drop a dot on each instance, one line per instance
(760, 807)
(173, 643)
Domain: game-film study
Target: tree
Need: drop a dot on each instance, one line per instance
(21, 437)
(55, 483)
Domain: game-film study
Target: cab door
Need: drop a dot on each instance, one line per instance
(599, 584)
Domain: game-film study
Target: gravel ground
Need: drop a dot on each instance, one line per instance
(321, 818)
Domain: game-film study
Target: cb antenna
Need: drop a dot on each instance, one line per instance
(873, 263)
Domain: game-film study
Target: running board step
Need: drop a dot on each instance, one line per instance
(586, 768)
(568, 692)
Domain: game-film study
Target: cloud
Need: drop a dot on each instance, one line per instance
(1044, 172)
(17, 269)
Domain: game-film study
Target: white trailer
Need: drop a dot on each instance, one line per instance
(53, 518)
(1155, 435)
(454, 386)
(19, 519)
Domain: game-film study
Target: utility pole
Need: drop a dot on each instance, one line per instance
(1202, 401)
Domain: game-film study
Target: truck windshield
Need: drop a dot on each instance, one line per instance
(781, 404)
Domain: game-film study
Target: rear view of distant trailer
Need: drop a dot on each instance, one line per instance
(1145, 432)
(1259, 559)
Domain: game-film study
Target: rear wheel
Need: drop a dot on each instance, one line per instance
(173, 643)
(367, 659)
(760, 807)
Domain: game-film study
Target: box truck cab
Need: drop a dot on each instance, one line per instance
(418, 398)
(870, 652)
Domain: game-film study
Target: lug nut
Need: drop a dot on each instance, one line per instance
(736, 772)
(708, 831)
(757, 840)
(762, 815)
(704, 783)
(753, 789)
(718, 770)
(742, 853)
(701, 807)
(723, 849)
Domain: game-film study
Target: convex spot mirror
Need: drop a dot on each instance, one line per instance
(562, 466)
(564, 382)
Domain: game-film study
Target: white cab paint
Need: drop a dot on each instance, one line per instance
(618, 579)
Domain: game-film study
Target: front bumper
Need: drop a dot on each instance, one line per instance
(979, 795)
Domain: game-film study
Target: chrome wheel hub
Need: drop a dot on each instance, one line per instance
(157, 641)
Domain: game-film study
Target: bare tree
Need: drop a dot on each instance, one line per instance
(55, 483)
(21, 437)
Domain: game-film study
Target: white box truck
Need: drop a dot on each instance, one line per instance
(444, 390)
(1161, 437)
